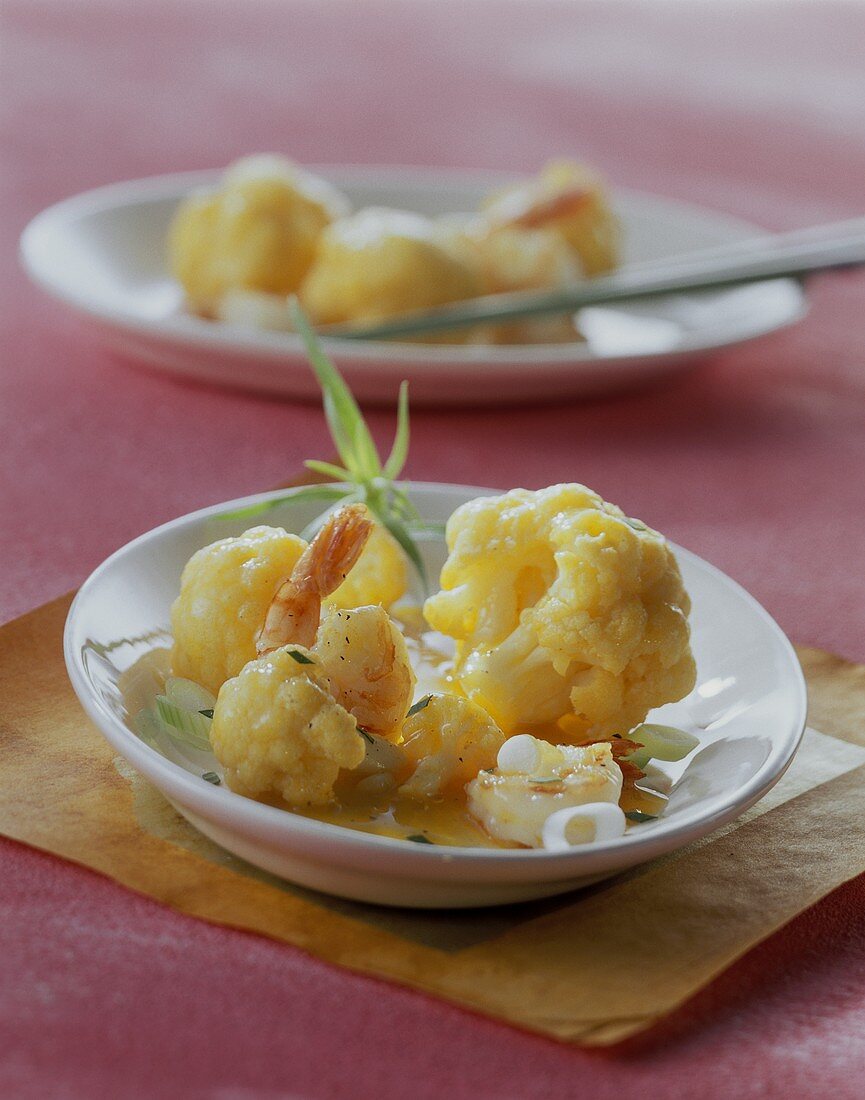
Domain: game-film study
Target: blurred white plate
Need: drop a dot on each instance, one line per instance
(748, 709)
(103, 254)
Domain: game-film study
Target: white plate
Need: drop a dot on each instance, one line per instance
(748, 709)
(103, 254)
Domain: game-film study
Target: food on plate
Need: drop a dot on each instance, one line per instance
(278, 730)
(380, 574)
(380, 263)
(272, 229)
(570, 199)
(447, 740)
(562, 608)
(514, 800)
(511, 258)
(294, 612)
(227, 587)
(225, 591)
(507, 709)
(257, 233)
(291, 719)
(363, 653)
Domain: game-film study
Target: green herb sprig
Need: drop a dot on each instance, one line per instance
(364, 476)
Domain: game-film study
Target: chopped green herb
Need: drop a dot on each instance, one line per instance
(419, 705)
(212, 777)
(639, 816)
(366, 735)
(636, 524)
(329, 493)
(207, 713)
(419, 838)
(546, 779)
(301, 658)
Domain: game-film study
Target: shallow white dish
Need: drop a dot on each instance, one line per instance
(103, 254)
(748, 709)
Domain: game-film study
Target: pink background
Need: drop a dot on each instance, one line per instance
(756, 462)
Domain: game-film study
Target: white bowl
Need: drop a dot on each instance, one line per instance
(748, 708)
(103, 254)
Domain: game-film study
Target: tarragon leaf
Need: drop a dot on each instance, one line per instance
(400, 533)
(305, 492)
(347, 426)
(399, 452)
(328, 469)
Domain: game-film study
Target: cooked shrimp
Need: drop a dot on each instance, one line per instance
(514, 804)
(364, 655)
(295, 611)
(537, 211)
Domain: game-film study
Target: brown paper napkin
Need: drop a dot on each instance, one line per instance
(561, 967)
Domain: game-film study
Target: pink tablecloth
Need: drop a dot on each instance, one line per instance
(756, 463)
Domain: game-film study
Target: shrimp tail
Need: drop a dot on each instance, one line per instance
(334, 551)
(295, 611)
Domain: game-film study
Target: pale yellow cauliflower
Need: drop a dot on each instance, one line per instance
(225, 591)
(380, 575)
(511, 258)
(257, 232)
(563, 608)
(447, 742)
(380, 263)
(277, 730)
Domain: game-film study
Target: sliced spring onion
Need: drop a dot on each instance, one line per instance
(187, 726)
(381, 756)
(188, 695)
(662, 743)
(575, 825)
(520, 753)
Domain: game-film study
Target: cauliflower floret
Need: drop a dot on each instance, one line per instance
(512, 258)
(562, 607)
(364, 656)
(277, 730)
(225, 591)
(380, 575)
(380, 263)
(257, 232)
(447, 741)
(513, 805)
(570, 199)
